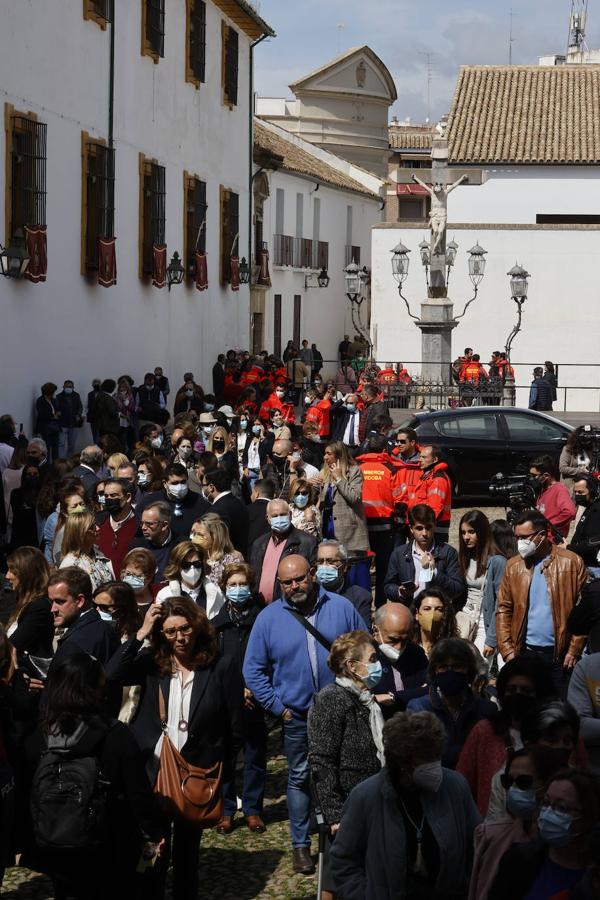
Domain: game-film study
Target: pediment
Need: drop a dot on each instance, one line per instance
(359, 72)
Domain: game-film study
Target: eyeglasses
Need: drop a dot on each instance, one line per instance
(338, 563)
(529, 537)
(171, 633)
(559, 806)
(523, 782)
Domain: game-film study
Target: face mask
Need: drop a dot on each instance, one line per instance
(520, 804)
(142, 478)
(178, 491)
(327, 574)
(112, 504)
(555, 827)
(243, 424)
(70, 391)
(157, 442)
(308, 401)
(239, 594)
(430, 619)
(206, 433)
(218, 444)
(428, 776)
(256, 429)
(101, 500)
(280, 523)
(301, 500)
(581, 500)
(149, 385)
(452, 683)
(280, 394)
(134, 581)
(189, 394)
(34, 461)
(518, 705)
(185, 452)
(526, 548)
(105, 616)
(391, 652)
(373, 676)
(31, 481)
(208, 407)
(350, 407)
(196, 539)
(76, 510)
(318, 384)
(192, 575)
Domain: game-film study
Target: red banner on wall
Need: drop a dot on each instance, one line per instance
(264, 278)
(201, 272)
(159, 265)
(35, 240)
(107, 262)
(234, 265)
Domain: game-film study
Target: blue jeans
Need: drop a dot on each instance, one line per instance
(67, 439)
(255, 768)
(295, 747)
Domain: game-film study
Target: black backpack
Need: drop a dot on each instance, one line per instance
(69, 797)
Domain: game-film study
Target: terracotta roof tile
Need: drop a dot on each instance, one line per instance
(545, 115)
(403, 139)
(297, 159)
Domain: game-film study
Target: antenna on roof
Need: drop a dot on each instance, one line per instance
(510, 38)
(428, 56)
(340, 28)
(577, 24)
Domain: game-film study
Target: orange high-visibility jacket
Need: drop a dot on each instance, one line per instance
(435, 489)
(379, 490)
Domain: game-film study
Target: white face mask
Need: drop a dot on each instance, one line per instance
(178, 491)
(391, 652)
(526, 548)
(191, 575)
(428, 776)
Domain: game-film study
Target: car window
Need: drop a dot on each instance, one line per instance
(531, 428)
(476, 427)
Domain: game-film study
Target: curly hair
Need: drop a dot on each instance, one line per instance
(205, 649)
(348, 647)
(412, 737)
(238, 568)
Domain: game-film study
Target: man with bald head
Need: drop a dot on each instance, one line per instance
(280, 466)
(284, 667)
(404, 663)
(280, 541)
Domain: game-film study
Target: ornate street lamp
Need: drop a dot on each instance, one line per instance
(425, 251)
(518, 283)
(244, 271)
(476, 264)
(451, 249)
(323, 278)
(14, 259)
(175, 271)
(353, 280)
(400, 263)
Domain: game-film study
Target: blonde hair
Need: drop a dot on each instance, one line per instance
(218, 533)
(219, 432)
(342, 454)
(177, 557)
(76, 529)
(115, 460)
(348, 647)
(301, 484)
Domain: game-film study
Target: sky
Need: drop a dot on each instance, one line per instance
(402, 33)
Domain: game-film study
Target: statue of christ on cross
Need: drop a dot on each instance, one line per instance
(438, 216)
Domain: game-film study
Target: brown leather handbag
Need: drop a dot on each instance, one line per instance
(189, 792)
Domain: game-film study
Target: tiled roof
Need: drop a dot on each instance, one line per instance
(403, 139)
(300, 161)
(526, 115)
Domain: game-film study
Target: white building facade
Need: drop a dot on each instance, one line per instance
(528, 129)
(312, 211)
(182, 158)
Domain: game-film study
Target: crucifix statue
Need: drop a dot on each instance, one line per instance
(439, 212)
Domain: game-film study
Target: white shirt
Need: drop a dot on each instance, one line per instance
(350, 437)
(214, 595)
(180, 695)
(222, 494)
(253, 457)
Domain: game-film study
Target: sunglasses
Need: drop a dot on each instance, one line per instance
(196, 564)
(523, 782)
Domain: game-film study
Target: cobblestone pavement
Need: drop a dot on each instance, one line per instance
(239, 866)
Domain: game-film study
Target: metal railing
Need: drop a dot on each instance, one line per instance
(301, 253)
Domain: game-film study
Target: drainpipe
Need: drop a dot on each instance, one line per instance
(251, 148)
(111, 77)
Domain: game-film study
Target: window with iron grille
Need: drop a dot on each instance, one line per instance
(320, 257)
(230, 227)
(153, 23)
(152, 225)
(283, 250)
(352, 254)
(27, 189)
(99, 198)
(230, 65)
(196, 42)
(99, 11)
(195, 221)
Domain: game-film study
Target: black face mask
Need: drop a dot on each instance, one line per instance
(518, 706)
(452, 683)
(279, 462)
(31, 482)
(112, 504)
(582, 500)
(219, 444)
(32, 460)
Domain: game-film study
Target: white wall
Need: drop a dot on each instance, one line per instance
(560, 316)
(516, 194)
(57, 66)
(325, 311)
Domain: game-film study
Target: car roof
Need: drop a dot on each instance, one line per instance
(429, 415)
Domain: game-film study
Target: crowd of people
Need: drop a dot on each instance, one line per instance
(253, 560)
(480, 386)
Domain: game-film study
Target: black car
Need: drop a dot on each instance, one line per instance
(480, 441)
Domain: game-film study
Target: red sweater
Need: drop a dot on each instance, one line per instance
(482, 755)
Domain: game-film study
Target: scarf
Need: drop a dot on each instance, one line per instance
(375, 714)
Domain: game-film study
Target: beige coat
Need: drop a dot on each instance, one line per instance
(349, 521)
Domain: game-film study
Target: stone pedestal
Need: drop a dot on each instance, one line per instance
(436, 324)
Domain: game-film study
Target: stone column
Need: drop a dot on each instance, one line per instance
(436, 324)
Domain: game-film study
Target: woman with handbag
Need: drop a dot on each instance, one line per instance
(189, 725)
(473, 552)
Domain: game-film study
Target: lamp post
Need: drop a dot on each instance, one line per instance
(175, 270)
(244, 271)
(518, 291)
(355, 279)
(14, 259)
(322, 279)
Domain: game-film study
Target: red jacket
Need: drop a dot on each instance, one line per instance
(320, 413)
(406, 477)
(435, 489)
(273, 402)
(472, 373)
(378, 490)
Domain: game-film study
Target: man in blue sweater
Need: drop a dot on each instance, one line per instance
(285, 666)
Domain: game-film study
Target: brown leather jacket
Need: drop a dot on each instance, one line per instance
(565, 575)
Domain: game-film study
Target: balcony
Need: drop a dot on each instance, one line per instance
(352, 254)
(300, 253)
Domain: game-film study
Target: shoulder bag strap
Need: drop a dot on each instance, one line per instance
(310, 628)
(162, 709)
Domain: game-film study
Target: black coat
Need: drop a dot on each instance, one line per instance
(215, 730)
(257, 520)
(160, 554)
(339, 421)
(232, 634)
(585, 617)
(341, 750)
(361, 599)
(218, 379)
(88, 634)
(544, 394)
(517, 870)
(106, 415)
(297, 542)
(412, 666)
(191, 507)
(378, 408)
(87, 476)
(235, 515)
(24, 524)
(70, 408)
(35, 629)
(448, 579)
(586, 539)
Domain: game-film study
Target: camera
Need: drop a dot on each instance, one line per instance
(517, 492)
